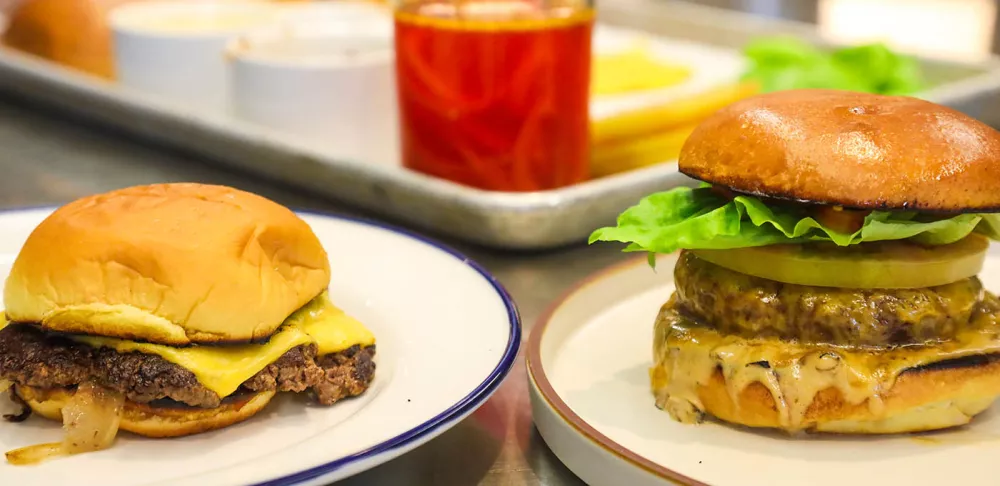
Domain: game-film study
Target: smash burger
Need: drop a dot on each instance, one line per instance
(169, 310)
(827, 278)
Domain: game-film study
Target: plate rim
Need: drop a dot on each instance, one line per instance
(428, 428)
(537, 376)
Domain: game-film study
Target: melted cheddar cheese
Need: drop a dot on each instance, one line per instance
(687, 355)
(224, 368)
(330, 328)
(221, 369)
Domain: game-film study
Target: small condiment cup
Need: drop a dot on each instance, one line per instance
(329, 80)
(174, 50)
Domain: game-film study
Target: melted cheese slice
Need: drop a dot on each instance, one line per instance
(687, 355)
(223, 369)
(330, 328)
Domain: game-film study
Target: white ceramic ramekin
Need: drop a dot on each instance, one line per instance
(326, 77)
(175, 50)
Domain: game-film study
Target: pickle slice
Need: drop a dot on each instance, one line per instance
(876, 265)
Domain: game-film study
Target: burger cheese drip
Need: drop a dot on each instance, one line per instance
(762, 332)
(688, 357)
(793, 377)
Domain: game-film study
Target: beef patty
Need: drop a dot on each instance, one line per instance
(29, 356)
(736, 303)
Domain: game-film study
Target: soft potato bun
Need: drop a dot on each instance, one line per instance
(151, 421)
(169, 263)
(850, 149)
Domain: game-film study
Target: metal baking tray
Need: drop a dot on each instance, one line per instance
(525, 221)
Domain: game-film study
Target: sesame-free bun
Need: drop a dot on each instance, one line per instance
(152, 421)
(169, 263)
(850, 149)
(920, 400)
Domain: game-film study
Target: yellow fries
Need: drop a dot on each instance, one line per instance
(611, 158)
(655, 134)
(634, 69)
(655, 119)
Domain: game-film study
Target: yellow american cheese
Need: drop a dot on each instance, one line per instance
(331, 328)
(223, 369)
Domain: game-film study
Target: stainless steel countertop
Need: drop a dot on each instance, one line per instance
(47, 160)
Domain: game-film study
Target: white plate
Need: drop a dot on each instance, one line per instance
(587, 365)
(447, 335)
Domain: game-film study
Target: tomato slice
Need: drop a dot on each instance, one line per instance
(876, 265)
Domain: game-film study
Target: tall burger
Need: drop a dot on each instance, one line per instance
(827, 274)
(169, 310)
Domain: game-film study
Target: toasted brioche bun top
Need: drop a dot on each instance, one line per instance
(170, 263)
(850, 149)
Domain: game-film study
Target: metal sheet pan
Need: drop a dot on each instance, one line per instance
(530, 221)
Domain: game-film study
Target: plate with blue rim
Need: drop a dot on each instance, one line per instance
(429, 308)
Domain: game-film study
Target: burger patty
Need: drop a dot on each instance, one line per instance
(736, 303)
(28, 356)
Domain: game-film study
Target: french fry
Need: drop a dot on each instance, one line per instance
(655, 119)
(625, 155)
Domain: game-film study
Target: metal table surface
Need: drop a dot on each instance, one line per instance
(48, 160)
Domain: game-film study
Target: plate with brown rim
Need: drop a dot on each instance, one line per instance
(588, 359)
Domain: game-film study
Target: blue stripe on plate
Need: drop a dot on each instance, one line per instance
(465, 405)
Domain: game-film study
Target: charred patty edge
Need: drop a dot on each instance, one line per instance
(33, 357)
(744, 305)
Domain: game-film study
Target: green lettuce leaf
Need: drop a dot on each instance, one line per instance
(782, 63)
(701, 219)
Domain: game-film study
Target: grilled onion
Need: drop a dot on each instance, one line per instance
(35, 454)
(90, 421)
(5, 409)
(23, 410)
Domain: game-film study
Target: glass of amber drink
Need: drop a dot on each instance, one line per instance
(494, 94)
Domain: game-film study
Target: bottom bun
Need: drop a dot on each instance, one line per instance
(153, 421)
(919, 401)
(771, 383)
